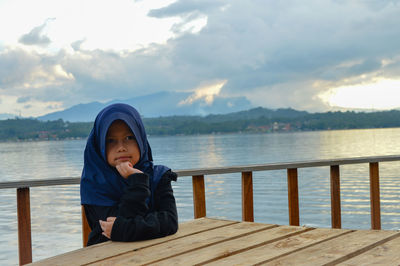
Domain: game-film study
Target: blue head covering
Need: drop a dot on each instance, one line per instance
(101, 184)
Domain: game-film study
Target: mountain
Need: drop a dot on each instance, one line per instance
(257, 113)
(7, 116)
(77, 113)
(156, 105)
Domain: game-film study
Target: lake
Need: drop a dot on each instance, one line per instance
(55, 211)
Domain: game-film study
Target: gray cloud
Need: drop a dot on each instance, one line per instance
(36, 36)
(77, 45)
(270, 51)
(261, 44)
(180, 8)
(35, 76)
(23, 99)
(15, 66)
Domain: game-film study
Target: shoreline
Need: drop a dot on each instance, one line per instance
(250, 132)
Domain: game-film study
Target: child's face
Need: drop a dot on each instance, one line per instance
(121, 145)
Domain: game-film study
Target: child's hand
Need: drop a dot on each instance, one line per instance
(126, 169)
(106, 226)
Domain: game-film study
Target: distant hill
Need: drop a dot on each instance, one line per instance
(155, 105)
(258, 112)
(260, 120)
(77, 113)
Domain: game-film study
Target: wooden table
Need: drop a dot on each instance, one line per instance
(222, 242)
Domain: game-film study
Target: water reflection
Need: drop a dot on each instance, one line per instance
(56, 224)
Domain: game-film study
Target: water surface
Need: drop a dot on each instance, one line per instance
(55, 211)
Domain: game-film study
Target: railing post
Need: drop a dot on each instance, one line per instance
(247, 197)
(85, 227)
(336, 217)
(199, 196)
(375, 197)
(24, 226)
(293, 197)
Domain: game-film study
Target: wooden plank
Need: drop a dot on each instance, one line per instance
(375, 196)
(199, 196)
(24, 226)
(247, 197)
(85, 227)
(336, 250)
(109, 249)
(234, 246)
(216, 170)
(336, 219)
(186, 244)
(280, 248)
(293, 197)
(385, 254)
(282, 166)
(41, 182)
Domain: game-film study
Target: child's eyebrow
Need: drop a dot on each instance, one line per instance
(125, 134)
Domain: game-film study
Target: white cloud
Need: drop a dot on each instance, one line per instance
(376, 94)
(120, 24)
(277, 53)
(12, 105)
(36, 36)
(205, 92)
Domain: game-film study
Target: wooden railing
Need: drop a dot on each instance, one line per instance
(199, 195)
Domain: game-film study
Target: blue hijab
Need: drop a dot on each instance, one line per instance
(101, 184)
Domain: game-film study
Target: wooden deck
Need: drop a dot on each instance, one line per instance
(222, 242)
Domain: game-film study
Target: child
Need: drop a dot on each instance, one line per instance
(125, 196)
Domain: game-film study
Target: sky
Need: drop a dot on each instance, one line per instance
(309, 55)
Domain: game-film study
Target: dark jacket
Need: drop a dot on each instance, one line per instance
(136, 220)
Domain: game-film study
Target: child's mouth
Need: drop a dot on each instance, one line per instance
(123, 159)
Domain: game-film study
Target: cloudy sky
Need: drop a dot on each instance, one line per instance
(314, 55)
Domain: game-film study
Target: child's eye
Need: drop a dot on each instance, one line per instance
(109, 141)
(130, 137)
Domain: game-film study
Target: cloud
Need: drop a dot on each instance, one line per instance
(206, 92)
(288, 44)
(23, 99)
(193, 14)
(36, 36)
(183, 8)
(344, 96)
(31, 76)
(277, 53)
(77, 45)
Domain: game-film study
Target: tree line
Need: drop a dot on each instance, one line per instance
(254, 120)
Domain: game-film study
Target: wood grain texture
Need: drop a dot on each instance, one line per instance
(293, 197)
(24, 226)
(221, 242)
(109, 249)
(247, 197)
(199, 196)
(235, 246)
(217, 170)
(185, 245)
(85, 227)
(375, 196)
(280, 248)
(336, 216)
(336, 250)
(386, 254)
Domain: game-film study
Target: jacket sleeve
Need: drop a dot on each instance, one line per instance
(93, 215)
(133, 201)
(135, 222)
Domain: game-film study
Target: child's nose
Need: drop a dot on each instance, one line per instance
(121, 146)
